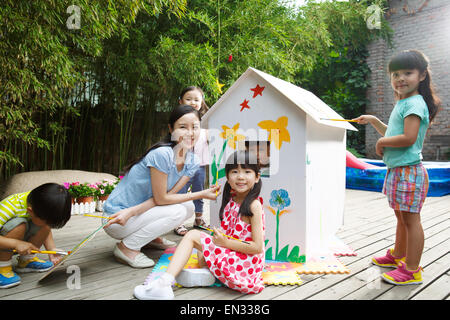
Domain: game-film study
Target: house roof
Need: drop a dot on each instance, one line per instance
(303, 99)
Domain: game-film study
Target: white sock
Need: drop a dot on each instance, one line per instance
(6, 263)
(168, 278)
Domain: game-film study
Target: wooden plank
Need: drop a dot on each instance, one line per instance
(326, 281)
(438, 290)
(367, 283)
(407, 292)
(369, 229)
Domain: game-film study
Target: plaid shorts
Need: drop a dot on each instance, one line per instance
(406, 187)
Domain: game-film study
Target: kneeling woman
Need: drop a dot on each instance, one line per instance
(145, 204)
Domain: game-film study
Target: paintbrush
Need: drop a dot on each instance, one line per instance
(204, 228)
(64, 253)
(93, 216)
(339, 120)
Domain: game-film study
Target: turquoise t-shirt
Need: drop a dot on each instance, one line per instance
(136, 186)
(406, 156)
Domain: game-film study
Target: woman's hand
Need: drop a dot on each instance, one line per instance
(211, 193)
(219, 239)
(121, 217)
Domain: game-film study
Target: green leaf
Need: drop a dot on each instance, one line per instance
(283, 254)
(269, 254)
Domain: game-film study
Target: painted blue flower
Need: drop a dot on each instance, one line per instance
(279, 199)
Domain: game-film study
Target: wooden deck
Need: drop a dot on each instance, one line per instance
(369, 229)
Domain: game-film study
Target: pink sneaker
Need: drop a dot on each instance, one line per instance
(388, 260)
(402, 276)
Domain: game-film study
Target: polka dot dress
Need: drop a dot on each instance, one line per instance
(236, 270)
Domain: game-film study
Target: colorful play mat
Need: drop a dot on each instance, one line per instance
(275, 272)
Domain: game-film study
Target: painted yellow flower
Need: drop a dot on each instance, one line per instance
(277, 130)
(231, 135)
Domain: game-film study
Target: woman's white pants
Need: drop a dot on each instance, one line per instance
(141, 229)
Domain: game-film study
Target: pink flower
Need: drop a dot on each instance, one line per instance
(66, 185)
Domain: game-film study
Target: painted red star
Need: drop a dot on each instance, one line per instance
(244, 105)
(257, 90)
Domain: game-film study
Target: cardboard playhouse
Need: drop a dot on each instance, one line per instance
(302, 157)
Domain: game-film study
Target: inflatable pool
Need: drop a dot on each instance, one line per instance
(368, 174)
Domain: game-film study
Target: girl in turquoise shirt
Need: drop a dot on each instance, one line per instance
(406, 182)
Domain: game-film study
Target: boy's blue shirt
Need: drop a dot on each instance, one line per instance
(136, 187)
(405, 156)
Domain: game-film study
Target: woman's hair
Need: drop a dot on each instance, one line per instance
(176, 114)
(52, 203)
(204, 106)
(413, 59)
(246, 161)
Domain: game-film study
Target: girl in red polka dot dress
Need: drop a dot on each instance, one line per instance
(236, 264)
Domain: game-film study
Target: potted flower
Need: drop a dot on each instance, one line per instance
(103, 190)
(82, 195)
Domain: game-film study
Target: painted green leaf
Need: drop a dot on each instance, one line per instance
(269, 254)
(213, 170)
(282, 255)
(293, 256)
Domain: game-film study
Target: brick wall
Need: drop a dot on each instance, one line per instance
(425, 28)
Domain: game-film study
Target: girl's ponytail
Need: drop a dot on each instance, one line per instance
(427, 91)
(226, 196)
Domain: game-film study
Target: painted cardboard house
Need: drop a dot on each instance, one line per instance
(302, 157)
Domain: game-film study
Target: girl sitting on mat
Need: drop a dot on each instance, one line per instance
(236, 264)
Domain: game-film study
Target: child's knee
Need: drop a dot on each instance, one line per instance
(190, 208)
(399, 216)
(194, 236)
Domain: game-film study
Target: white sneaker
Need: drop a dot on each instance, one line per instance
(140, 261)
(195, 278)
(159, 289)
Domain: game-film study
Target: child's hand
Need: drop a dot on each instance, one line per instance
(211, 193)
(379, 148)
(219, 239)
(24, 247)
(55, 258)
(364, 119)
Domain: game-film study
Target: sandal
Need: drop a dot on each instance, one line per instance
(200, 222)
(180, 230)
